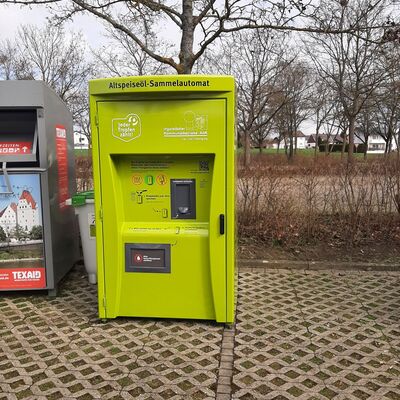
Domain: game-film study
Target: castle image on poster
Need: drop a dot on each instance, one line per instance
(24, 214)
(20, 211)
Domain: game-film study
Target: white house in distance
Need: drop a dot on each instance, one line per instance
(301, 140)
(25, 214)
(377, 145)
(322, 137)
(274, 143)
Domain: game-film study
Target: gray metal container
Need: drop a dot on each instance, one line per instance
(50, 158)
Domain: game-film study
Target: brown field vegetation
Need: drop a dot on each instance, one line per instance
(323, 201)
(84, 173)
(322, 205)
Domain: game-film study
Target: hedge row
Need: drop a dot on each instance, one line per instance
(337, 148)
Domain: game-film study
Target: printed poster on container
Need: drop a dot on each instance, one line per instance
(22, 263)
(62, 159)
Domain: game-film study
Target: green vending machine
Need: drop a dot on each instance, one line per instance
(164, 176)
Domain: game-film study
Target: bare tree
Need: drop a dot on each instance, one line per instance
(350, 63)
(123, 57)
(7, 60)
(259, 98)
(257, 59)
(366, 123)
(322, 106)
(387, 107)
(334, 125)
(295, 86)
(198, 23)
(58, 59)
(49, 55)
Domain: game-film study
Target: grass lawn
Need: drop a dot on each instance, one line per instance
(307, 153)
(300, 153)
(82, 152)
(10, 253)
(240, 150)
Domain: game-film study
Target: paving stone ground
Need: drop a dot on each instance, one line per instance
(299, 335)
(317, 335)
(58, 349)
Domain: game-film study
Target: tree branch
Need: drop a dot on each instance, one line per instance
(127, 31)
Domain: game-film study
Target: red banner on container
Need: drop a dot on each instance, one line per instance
(62, 159)
(15, 148)
(23, 278)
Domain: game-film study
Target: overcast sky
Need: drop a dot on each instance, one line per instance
(11, 17)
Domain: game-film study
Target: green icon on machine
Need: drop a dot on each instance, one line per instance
(149, 179)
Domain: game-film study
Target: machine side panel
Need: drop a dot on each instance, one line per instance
(230, 221)
(97, 181)
(63, 231)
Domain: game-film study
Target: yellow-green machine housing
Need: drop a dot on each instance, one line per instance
(164, 178)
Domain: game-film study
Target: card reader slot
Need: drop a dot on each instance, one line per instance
(183, 198)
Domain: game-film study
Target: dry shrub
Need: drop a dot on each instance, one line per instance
(310, 201)
(84, 173)
(265, 205)
(271, 162)
(337, 204)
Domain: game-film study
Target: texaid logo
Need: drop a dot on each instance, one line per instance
(128, 128)
(26, 275)
(61, 132)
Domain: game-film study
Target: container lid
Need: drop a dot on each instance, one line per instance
(82, 198)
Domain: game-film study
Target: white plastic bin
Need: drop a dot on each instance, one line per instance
(83, 203)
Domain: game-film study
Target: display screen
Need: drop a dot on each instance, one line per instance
(17, 131)
(152, 258)
(148, 257)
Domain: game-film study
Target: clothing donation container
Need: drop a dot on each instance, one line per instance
(38, 233)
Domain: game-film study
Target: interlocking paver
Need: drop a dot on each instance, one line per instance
(58, 349)
(299, 335)
(317, 334)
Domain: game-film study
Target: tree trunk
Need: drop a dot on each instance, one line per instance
(366, 137)
(344, 142)
(316, 135)
(260, 148)
(279, 145)
(398, 147)
(350, 154)
(290, 155)
(387, 146)
(186, 57)
(247, 150)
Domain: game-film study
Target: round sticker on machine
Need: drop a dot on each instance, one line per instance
(162, 179)
(137, 179)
